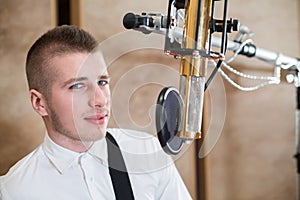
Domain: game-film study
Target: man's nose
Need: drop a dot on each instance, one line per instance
(100, 97)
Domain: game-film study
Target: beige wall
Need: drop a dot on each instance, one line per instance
(253, 159)
(21, 130)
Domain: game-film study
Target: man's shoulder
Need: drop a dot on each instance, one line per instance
(138, 138)
(122, 133)
(19, 169)
(142, 151)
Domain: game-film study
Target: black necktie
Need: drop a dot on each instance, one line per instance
(117, 170)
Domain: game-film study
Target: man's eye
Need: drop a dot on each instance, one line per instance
(76, 86)
(102, 82)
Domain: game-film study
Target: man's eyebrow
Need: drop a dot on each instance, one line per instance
(106, 76)
(72, 80)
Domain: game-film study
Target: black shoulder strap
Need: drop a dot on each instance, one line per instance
(117, 170)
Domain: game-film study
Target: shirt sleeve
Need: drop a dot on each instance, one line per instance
(171, 186)
(1, 190)
(1, 196)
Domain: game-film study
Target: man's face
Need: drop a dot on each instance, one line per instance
(79, 104)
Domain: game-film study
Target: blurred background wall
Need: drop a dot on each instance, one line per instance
(253, 156)
(21, 130)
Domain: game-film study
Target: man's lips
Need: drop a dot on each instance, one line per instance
(97, 119)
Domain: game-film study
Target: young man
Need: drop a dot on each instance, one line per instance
(69, 88)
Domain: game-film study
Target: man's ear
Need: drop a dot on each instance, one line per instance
(38, 102)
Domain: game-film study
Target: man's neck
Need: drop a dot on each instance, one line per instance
(72, 144)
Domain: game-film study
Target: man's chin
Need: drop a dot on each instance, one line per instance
(92, 136)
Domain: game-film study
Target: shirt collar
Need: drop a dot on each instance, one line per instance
(63, 158)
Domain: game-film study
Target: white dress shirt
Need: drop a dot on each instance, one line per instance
(53, 172)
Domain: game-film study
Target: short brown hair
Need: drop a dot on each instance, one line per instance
(57, 41)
